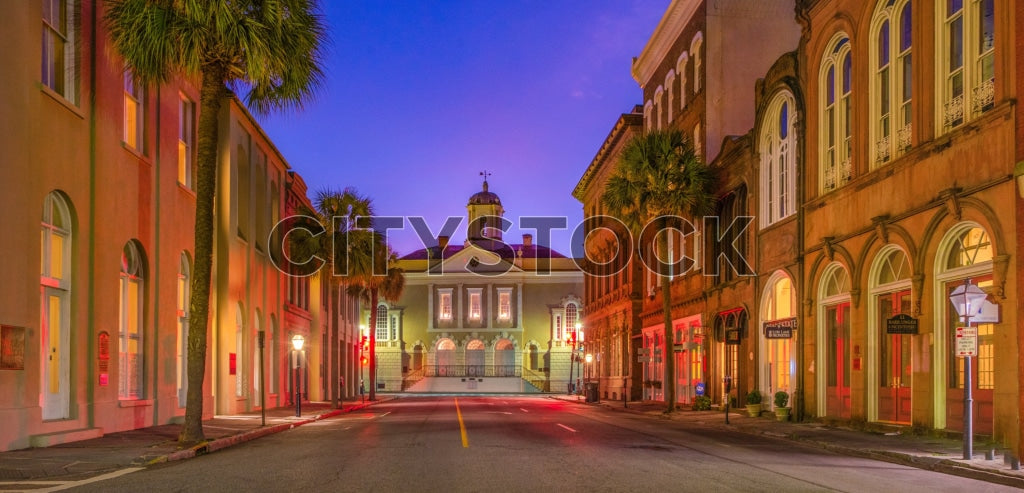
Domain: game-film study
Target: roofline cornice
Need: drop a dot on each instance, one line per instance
(676, 17)
(613, 137)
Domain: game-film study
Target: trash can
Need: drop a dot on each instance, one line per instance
(591, 391)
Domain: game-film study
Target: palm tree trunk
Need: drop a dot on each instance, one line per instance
(212, 93)
(669, 383)
(374, 299)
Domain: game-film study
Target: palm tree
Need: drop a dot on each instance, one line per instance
(658, 176)
(371, 283)
(355, 256)
(271, 49)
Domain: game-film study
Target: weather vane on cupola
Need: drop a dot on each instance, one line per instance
(485, 174)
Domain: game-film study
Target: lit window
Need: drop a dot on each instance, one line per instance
(681, 70)
(382, 322)
(130, 351)
(184, 278)
(445, 303)
(504, 305)
(133, 112)
(186, 141)
(59, 71)
(474, 306)
(670, 81)
(659, 95)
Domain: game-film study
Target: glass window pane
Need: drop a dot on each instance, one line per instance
(847, 65)
(906, 19)
(987, 31)
(830, 85)
(56, 256)
(956, 43)
(784, 121)
(883, 45)
(953, 6)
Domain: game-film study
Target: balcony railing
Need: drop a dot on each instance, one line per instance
(473, 371)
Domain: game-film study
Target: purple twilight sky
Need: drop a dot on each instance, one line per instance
(422, 96)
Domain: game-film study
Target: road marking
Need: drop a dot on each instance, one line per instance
(102, 477)
(385, 414)
(462, 426)
(566, 427)
(523, 410)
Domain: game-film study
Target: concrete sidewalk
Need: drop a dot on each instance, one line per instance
(87, 458)
(894, 444)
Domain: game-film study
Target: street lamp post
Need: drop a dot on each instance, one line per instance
(297, 342)
(363, 348)
(965, 297)
(589, 358)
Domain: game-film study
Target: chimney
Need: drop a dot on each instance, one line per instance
(442, 242)
(527, 240)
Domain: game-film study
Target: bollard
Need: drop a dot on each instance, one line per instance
(990, 453)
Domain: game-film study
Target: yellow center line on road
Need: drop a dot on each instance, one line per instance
(462, 426)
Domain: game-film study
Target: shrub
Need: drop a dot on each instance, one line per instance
(754, 397)
(781, 398)
(702, 403)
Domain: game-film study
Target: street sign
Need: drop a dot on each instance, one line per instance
(699, 389)
(732, 337)
(966, 341)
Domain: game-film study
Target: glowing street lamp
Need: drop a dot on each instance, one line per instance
(297, 342)
(966, 299)
(589, 358)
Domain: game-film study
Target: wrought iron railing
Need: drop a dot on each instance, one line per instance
(472, 371)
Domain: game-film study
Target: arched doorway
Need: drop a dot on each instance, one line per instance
(890, 367)
(534, 354)
(778, 337)
(965, 256)
(730, 328)
(475, 358)
(445, 358)
(55, 307)
(834, 330)
(504, 359)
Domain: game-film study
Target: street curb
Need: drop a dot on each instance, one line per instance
(945, 466)
(228, 441)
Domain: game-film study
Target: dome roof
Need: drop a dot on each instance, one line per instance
(484, 197)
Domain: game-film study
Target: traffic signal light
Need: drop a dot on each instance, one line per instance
(365, 343)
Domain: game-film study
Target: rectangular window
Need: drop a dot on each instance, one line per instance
(186, 142)
(504, 305)
(445, 303)
(59, 72)
(474, 306)
(133, 112)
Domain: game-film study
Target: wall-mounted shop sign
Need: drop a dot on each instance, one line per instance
(780, 329)
(901, 324)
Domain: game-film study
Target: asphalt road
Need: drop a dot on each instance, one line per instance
(529, 444)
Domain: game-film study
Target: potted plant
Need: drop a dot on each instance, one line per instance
(754, 403)
(781, 402)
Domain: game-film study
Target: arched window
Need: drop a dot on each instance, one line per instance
(571, 316)
(966, 52)
(184, 287)
(698, 141)
(835, 131)
(54, 307)
(695, 45)
(132, 297)
(659, 105)
(891, 86)
(382, 322)
(670, 81)
(778, 160)
(681, 70)
(648, 114)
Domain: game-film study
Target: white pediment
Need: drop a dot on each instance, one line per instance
(473, 259)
